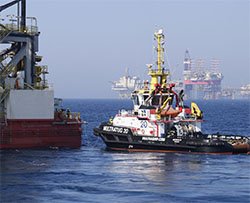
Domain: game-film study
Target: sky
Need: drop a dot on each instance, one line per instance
(88, 43)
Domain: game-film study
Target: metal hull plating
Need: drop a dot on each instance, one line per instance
(197, 144)
(166, 148)
(39, 134)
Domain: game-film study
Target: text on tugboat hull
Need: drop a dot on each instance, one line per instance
(116, 129)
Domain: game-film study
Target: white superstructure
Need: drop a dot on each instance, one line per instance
(30, 104)
(126, 85)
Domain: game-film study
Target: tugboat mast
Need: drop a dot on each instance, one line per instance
(158, 76)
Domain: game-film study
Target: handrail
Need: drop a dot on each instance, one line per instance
(29, 86)
(3, 26)
(32, 28)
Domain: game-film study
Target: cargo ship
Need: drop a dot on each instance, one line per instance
(30, 116)
(245, 91)
(161, 122)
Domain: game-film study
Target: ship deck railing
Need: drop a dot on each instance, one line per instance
(157, 71)
(13, 24)
(67, 115)
(169, 119)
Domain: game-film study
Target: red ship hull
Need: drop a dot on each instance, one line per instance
(16, 134)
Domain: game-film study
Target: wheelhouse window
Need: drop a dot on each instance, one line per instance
(135, 99)
(156, 100)
(145, 97)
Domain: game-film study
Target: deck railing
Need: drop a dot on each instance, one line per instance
(67, 115)
(12, 23)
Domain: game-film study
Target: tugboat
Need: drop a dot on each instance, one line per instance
(29, 115)
(160, 122)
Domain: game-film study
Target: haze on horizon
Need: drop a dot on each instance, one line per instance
(88, 43)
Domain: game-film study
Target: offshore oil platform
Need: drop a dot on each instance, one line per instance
(29, 115)
(205, 83)
(201, 82)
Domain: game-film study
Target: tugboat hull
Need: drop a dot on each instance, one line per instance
(134, 143)
(135, 147)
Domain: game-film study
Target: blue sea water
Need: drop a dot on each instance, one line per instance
(92, 174)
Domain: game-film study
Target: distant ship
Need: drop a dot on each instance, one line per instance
(126, 85)
(245, 91)
(242, 92)
(29, 115)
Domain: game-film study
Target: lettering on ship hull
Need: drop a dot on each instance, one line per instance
(116, 129)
